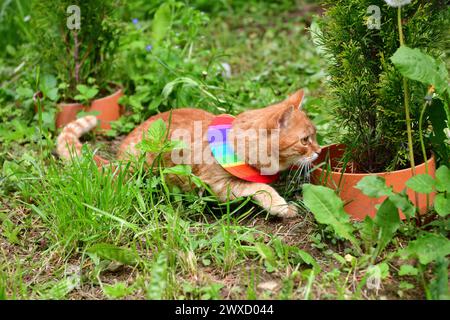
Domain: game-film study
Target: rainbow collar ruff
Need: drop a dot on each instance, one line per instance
(224, 154)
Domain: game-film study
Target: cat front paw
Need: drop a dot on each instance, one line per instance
(287, 211)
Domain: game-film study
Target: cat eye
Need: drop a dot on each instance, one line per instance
(305, 140)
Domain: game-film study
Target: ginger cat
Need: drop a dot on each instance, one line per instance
(296, 144)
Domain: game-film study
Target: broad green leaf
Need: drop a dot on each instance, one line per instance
(374, 186)
(63, 85)
(403, 203)
(135, 103)
(157, 130)
(82, 88)
(92, 92)
(181, 169)
(443, 179)
(416, 65)
(86, 93)
(11, 170)
(185, 81)
(388, 220)
(117, 291)
(161, 22)
(158, 280)
(439, 285)
(60, 289)
(47, 82)
(442, 204)
(267, 255)
(52, 94)
(328, 209)
(339, 258)
(48, 119)
(155, 103)
(427, 248)
(48, 87)
(439, 115)
(422, 183)
(405, 285)
(368, 232)
(154, 139)
(306, 258)
(24, 92)
(79, 97)
(9, 48)
(114, 253)
(176, 144)
(408, 270)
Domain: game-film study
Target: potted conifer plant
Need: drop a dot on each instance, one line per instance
(76, 41)
(378, 108)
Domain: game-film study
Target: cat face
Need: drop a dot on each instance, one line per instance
(298, 144)
(295, 140)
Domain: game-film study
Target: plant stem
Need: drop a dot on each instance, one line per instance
(406, 99)
(407, 113)
(408, 127)
(424, 282)
(39, 105)
(422, 145)
(400, 29)
(76, 57)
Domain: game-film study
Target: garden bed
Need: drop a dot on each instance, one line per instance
(71, 231)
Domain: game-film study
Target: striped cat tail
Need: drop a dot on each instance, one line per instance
(68, 144)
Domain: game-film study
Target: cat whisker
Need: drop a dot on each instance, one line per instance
(303, 171)
(299, 172)
(308, 172)
(296, 170)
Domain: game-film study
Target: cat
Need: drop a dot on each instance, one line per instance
(296, 144)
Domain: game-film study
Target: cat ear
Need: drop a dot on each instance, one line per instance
(296, 99)
(283, 120)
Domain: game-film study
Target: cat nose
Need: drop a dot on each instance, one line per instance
(318, 150)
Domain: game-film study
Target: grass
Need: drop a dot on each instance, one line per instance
(92, 234)
(70, 231)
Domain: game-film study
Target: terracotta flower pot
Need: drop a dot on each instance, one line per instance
(108, 108)
(356, 203)
(67, 112)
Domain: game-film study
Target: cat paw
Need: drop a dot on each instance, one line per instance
(287, 212)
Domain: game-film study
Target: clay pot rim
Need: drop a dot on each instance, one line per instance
(319, 169)
(119, 91)
(73, 104)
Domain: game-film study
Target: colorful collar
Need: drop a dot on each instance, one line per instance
(224, 154)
